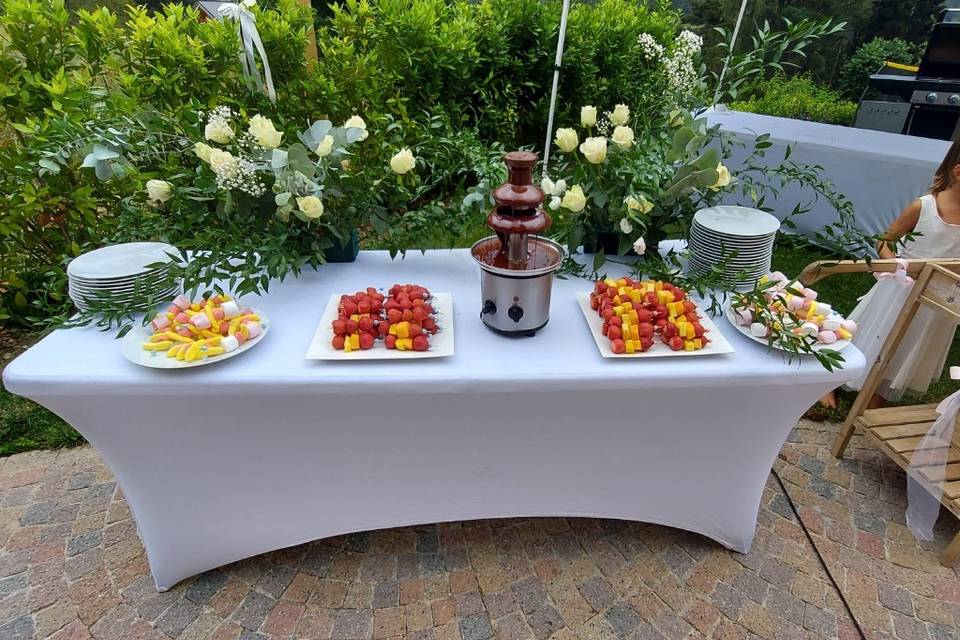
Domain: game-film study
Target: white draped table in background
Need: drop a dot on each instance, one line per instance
(881, 173)
(270, 450)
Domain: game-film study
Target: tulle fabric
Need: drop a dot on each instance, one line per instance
(922, 353)
(930, 459)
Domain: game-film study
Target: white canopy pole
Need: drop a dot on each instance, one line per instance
(556, 81)
(733, 43)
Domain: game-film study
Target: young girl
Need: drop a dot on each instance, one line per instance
(922, 353)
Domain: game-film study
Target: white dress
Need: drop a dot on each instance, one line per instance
(922, 353)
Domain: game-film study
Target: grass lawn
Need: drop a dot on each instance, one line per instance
(25, 426)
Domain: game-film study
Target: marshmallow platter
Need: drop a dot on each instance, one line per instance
(191, 333)
(803, 314)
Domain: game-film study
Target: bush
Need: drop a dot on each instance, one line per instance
(800, 98)
(869, 58)
(70, 80)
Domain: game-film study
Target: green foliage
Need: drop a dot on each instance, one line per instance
(800, 98)
(869, 58)
(770, 52)
(489, 64)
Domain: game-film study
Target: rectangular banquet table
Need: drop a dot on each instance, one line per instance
(269, 450)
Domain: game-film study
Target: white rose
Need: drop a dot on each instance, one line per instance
(203, 151)
(594, 149)
(219, 158)
(264, 132)
(403, 161)
(626, 226)
(249, 4)
(559, 187)
(547, 185)
(623, 137)
(640, 204)
(588, 116)
(325, 146)
(310, 206)
(159, 191)
(554, 203)
(356, 122)
(574, 199)
(567, 140)
(723, 178)
(218, 131)
(639, 246)
(620, 115)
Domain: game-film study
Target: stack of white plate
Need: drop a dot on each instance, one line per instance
(120, 272)
(739, 239)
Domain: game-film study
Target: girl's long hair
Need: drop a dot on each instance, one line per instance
(943, 178)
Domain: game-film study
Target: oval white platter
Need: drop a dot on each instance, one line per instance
(441, 343)
(839, 345)
(718, 343)
(132, 348)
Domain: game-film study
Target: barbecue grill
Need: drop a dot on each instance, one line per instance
(922, 101)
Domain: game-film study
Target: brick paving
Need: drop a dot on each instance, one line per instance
(72, 567)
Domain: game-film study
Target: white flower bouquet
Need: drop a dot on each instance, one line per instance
(617, 187)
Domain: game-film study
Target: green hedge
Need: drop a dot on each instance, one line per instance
(800, 98)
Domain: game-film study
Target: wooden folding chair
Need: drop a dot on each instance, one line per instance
(899, 431)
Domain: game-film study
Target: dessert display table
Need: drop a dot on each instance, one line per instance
(269, 449)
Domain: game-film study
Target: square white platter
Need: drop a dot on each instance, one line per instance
(441, 343)
(718, 343)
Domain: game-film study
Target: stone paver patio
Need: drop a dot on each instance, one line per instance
(72, 566)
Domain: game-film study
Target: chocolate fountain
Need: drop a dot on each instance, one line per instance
(517, 263)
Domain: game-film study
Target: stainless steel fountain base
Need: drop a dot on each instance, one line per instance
(516, 302)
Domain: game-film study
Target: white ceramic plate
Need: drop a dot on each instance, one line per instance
(142, 275)
(441, 343)
(704, 232)
(839, 345)
(737, 221)
(718, 343)
(120, 260)
(132, 348)
(81, 302)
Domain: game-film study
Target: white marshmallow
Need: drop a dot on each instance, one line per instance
(758, 330)
(230, 310)
(229, 343)
(809, 329)
(831, 324)
(823, 309)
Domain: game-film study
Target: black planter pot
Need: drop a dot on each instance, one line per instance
(343, 253)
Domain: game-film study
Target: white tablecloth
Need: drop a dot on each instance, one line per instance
(879, 172)
(270, 450)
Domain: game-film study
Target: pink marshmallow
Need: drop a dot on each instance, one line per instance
(795, 303)
(744, 316)
(174, 309)
(809, 294)
(200, 321)
(184, 332)
(253, 329)
(182, 318)
(827, 337)
(218, 314)
(160, 323)
(182, 301)
(849, 325)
